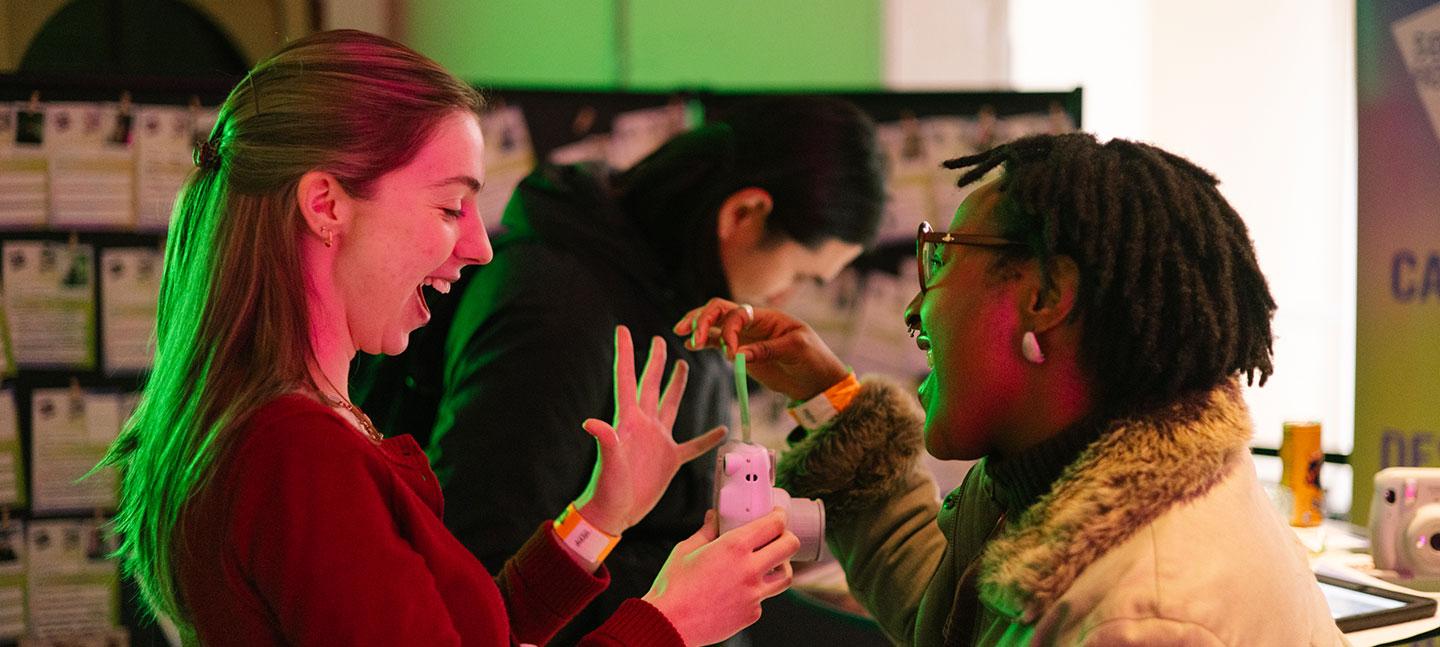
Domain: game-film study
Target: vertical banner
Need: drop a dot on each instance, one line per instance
(1397, 346)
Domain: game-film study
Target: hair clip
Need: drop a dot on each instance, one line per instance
(207, 156)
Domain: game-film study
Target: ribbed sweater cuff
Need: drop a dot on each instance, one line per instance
(638, 624)
(568, 586)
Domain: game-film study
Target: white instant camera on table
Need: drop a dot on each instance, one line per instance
(1405, 521)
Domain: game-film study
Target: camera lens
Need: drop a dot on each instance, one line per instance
(1389, 496)
(1421, 550)
(805, 518)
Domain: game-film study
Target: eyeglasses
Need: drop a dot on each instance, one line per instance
(927, 248)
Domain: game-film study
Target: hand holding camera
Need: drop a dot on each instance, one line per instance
(712, 585)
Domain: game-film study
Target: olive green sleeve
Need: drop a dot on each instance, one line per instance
(880, 506)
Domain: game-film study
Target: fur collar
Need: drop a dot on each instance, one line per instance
(1179, 452)
(862, 459)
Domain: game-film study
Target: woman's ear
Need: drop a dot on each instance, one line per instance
(1051, 302)
(324, 204)
(744, 213)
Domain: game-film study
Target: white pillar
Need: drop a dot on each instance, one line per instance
(946, 44)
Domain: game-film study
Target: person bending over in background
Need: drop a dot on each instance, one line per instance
(1087, 317)
(784, 190)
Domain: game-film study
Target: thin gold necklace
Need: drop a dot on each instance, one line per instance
(366, 425)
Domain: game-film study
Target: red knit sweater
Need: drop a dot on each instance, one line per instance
(310, 534)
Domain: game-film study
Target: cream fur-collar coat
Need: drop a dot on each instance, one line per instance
(1158, 534)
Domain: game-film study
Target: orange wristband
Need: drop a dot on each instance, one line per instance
(818, 411)
(588, 541)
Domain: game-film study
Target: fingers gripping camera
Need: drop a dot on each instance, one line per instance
(1405, 521)
(745, 490)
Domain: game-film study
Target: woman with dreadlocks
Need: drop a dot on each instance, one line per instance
(1087, 318)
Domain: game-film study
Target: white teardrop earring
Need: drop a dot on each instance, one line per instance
(1030, 348)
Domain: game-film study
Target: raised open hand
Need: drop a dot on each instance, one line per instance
(638, 454)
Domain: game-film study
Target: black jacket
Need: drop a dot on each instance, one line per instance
(528, 356)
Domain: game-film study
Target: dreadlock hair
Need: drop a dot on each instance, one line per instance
(1170, 295)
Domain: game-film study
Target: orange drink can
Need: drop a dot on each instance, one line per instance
(1301, 459)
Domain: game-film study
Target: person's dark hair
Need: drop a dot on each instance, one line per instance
(816, 156)
(1170, 298)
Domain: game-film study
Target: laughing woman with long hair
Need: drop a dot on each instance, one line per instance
(258, 505)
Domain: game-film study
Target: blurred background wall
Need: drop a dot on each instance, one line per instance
(1262, 94)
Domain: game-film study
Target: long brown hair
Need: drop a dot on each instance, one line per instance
(232, 330)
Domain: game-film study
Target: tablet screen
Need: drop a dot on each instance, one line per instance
(1358, 606)
(1345, 602)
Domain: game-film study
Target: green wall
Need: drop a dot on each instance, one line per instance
(568, 43)
(753, 44)
(667, 44)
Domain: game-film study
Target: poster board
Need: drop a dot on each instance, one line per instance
(1397, 346)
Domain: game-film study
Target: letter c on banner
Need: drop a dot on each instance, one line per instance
(1402, 283)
